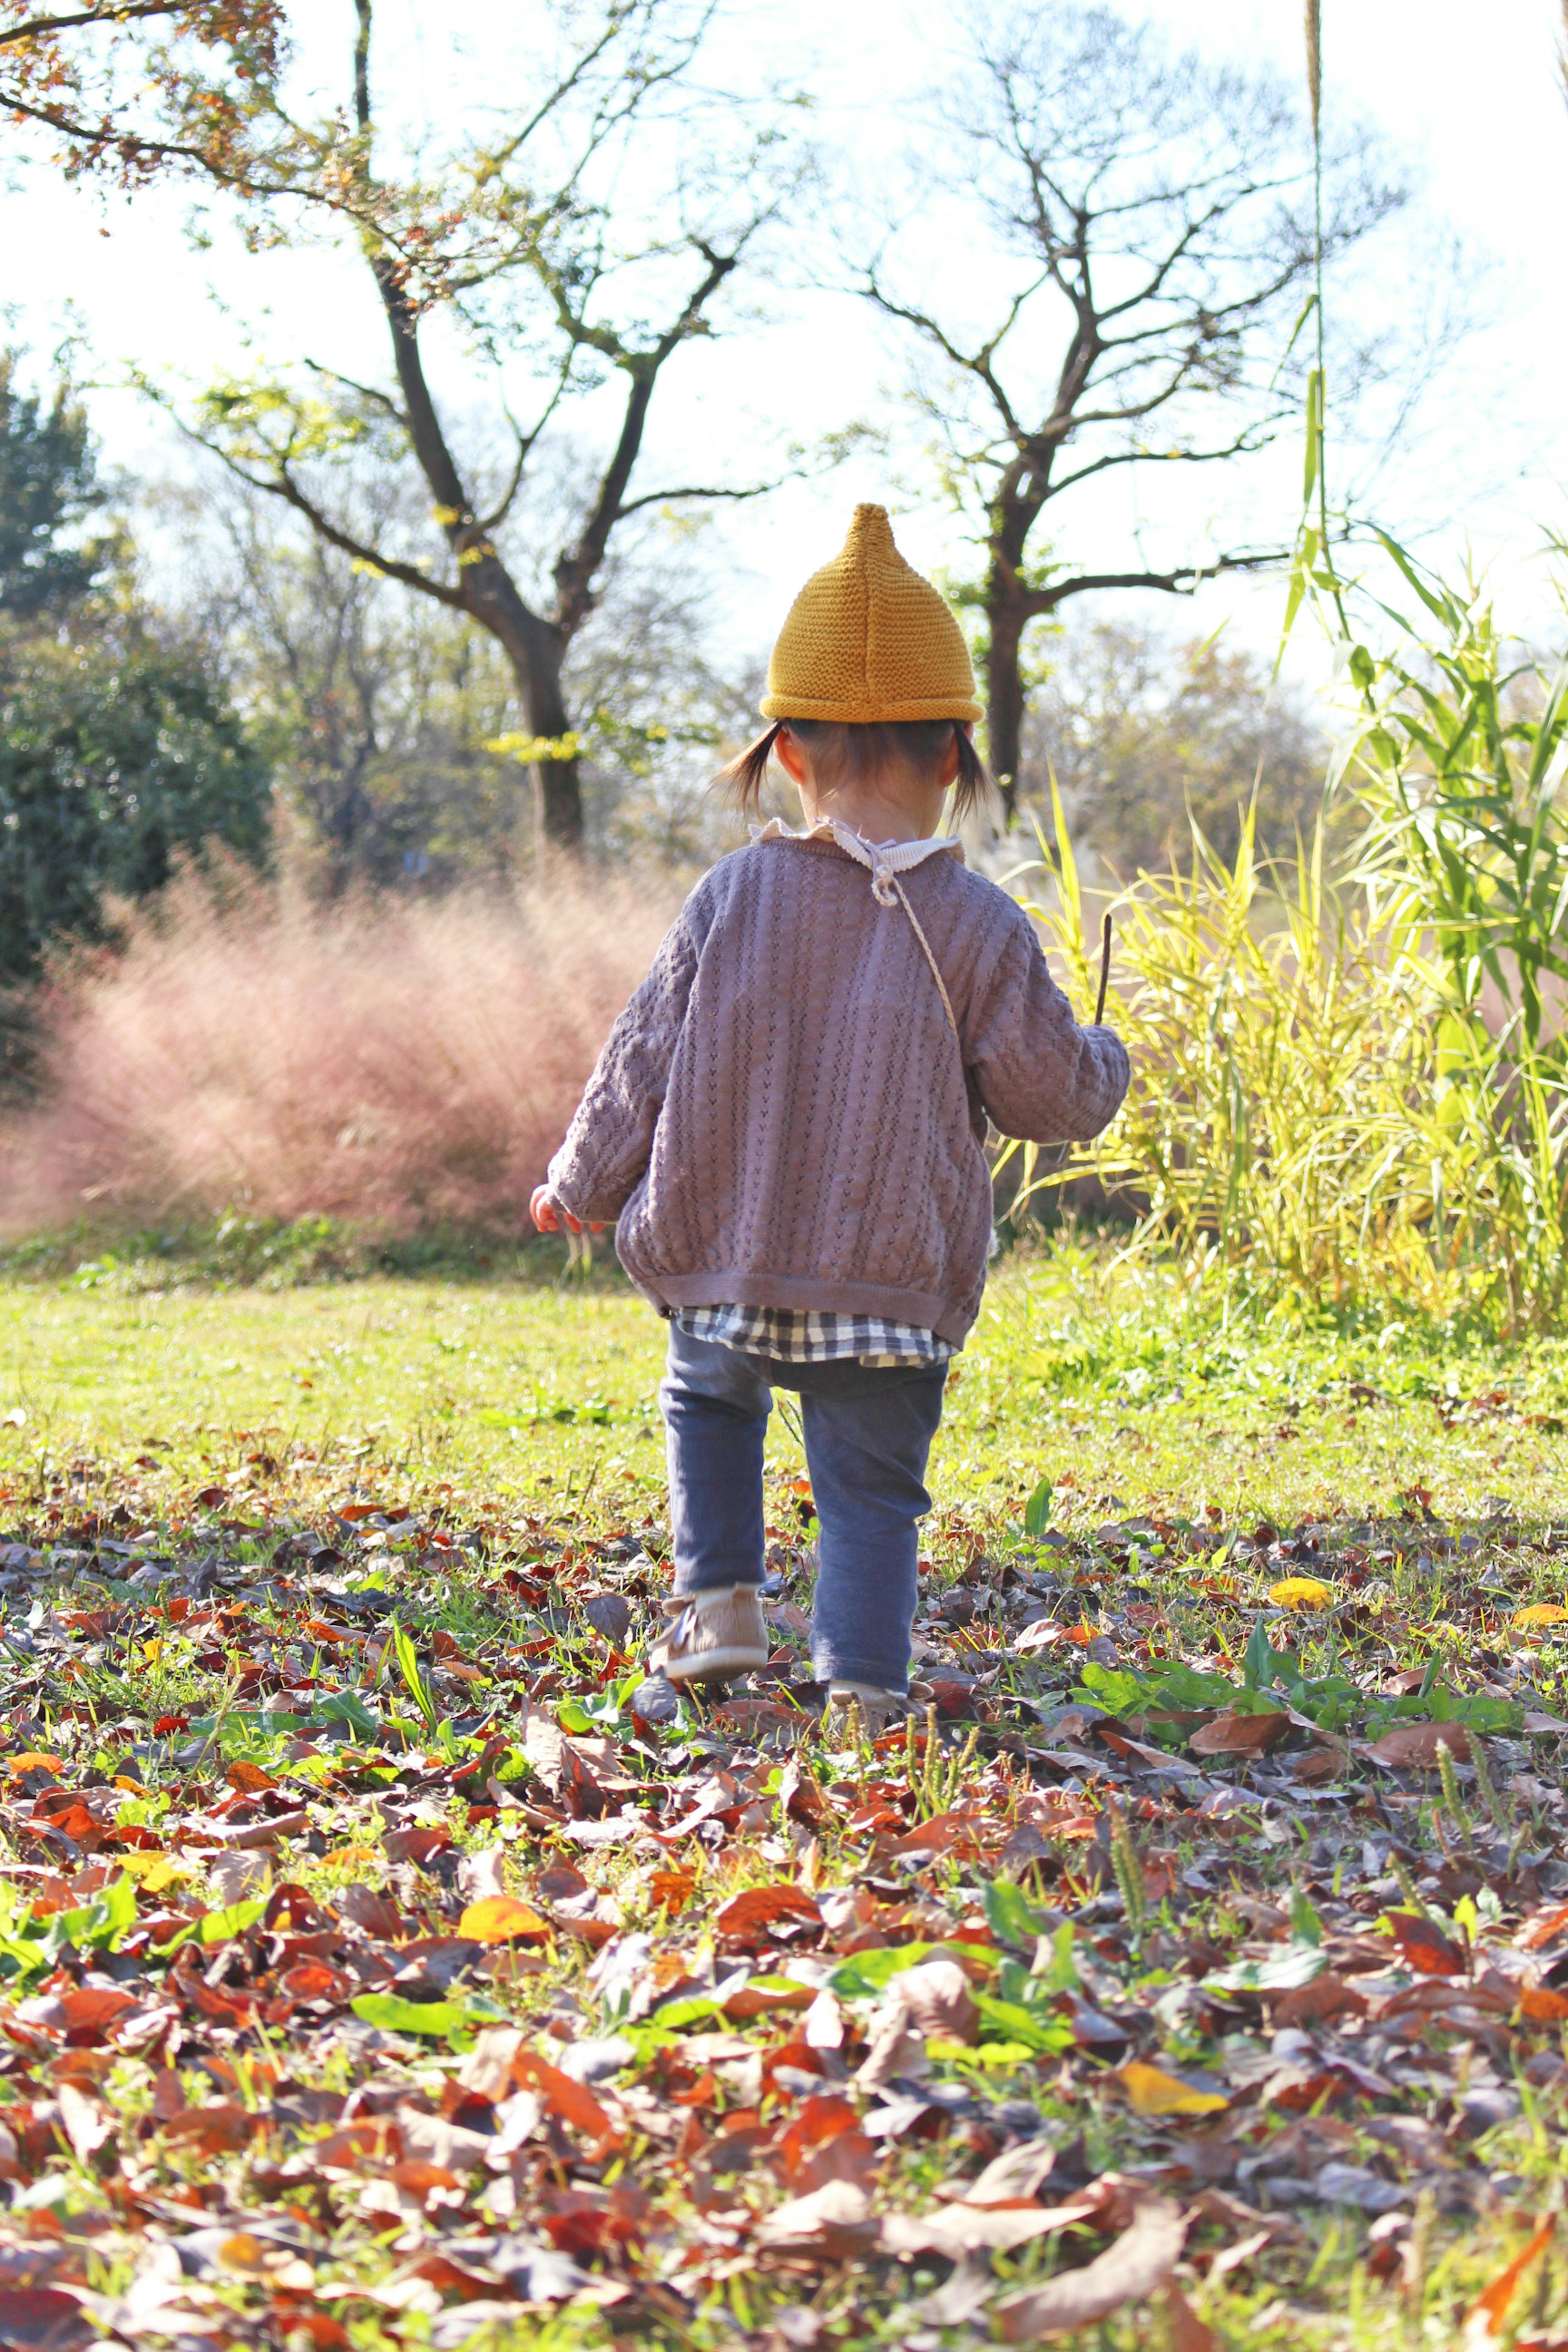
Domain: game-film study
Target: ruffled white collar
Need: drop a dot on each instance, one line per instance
(883, 859)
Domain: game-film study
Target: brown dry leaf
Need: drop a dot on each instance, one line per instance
(89, 2126)
(1328, 1995)
(760, 1907)
(1139, 2262)
(486, 2069)
(219, 2129)
(558, 1764)
(1414, 1746)
(1239, 1735)
(482, 1873)
(1018, 2172)
(1188, 2331)
(801, 1798)
(835, 2222)
(935, 1998)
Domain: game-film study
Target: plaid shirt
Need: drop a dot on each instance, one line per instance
(803, 1335)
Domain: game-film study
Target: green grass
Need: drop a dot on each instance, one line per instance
(525, 1383)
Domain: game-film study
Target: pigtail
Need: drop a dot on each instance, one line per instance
(973, 786)
(743, 779)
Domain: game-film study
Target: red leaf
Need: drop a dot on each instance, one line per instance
(1424, 1947)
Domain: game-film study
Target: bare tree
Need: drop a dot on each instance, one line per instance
(1150, 241)
(1139, 735)
(525, 239)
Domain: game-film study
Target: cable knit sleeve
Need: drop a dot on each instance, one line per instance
(606, 1149)
(1040, 1076)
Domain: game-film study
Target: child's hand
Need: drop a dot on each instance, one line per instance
(549, 1216)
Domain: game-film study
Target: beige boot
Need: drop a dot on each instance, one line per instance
(858, 1707)
(712, 1636)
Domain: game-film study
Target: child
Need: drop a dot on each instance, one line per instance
(787, 1124)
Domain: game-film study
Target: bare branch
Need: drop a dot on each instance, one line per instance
(1180, 582)
(118, 12)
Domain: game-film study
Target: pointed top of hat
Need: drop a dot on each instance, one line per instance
(869, 639)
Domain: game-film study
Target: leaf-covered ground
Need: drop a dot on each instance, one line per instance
(1193, 1966)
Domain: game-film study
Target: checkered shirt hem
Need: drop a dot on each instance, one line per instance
(804, 1336)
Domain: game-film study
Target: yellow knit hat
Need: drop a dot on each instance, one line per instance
(869, 639)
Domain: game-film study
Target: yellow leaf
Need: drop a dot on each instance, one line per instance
(1152, 2092)
(1543, 1612)
(1302, 1593)
(497, 1918)
(154, 1871)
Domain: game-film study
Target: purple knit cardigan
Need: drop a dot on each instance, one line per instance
(782, 1117)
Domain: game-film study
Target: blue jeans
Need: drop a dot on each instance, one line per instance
(867, 1434)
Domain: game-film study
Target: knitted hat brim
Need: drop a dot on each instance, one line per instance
(870, 714)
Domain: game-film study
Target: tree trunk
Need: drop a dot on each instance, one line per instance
(557, 785)
(535, 649)
(1006, 618)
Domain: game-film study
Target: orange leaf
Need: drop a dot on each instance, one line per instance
(763, 1906)
(1541, 2004)
(1544, 1930)
(498, 1918)
(1543, 1612)
(673, 1888)
(569, 2100)
(1425, 1947)
(250, 1778)
(1490, 2308)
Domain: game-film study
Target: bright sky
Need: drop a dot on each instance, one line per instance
(1473, 111)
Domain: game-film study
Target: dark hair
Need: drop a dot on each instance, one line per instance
(840, 752)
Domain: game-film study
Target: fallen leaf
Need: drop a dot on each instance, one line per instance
(1188, 2331)
(501, 1919)
(1541, 2004)
(1542, 1612)
(760, 1907)
(43, 2319)
(1544, 1928)
(570, 2101)
(1485, 2320)
(835, 2222)
(1424, 1946)
(934, 1997)
(1139, 2262)
(1302, 1593)
(1414, 1746)
(1235, 1734)
(1151, 2091)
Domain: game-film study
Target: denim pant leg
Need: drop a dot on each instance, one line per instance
(866, 1441)
(716, 1404)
